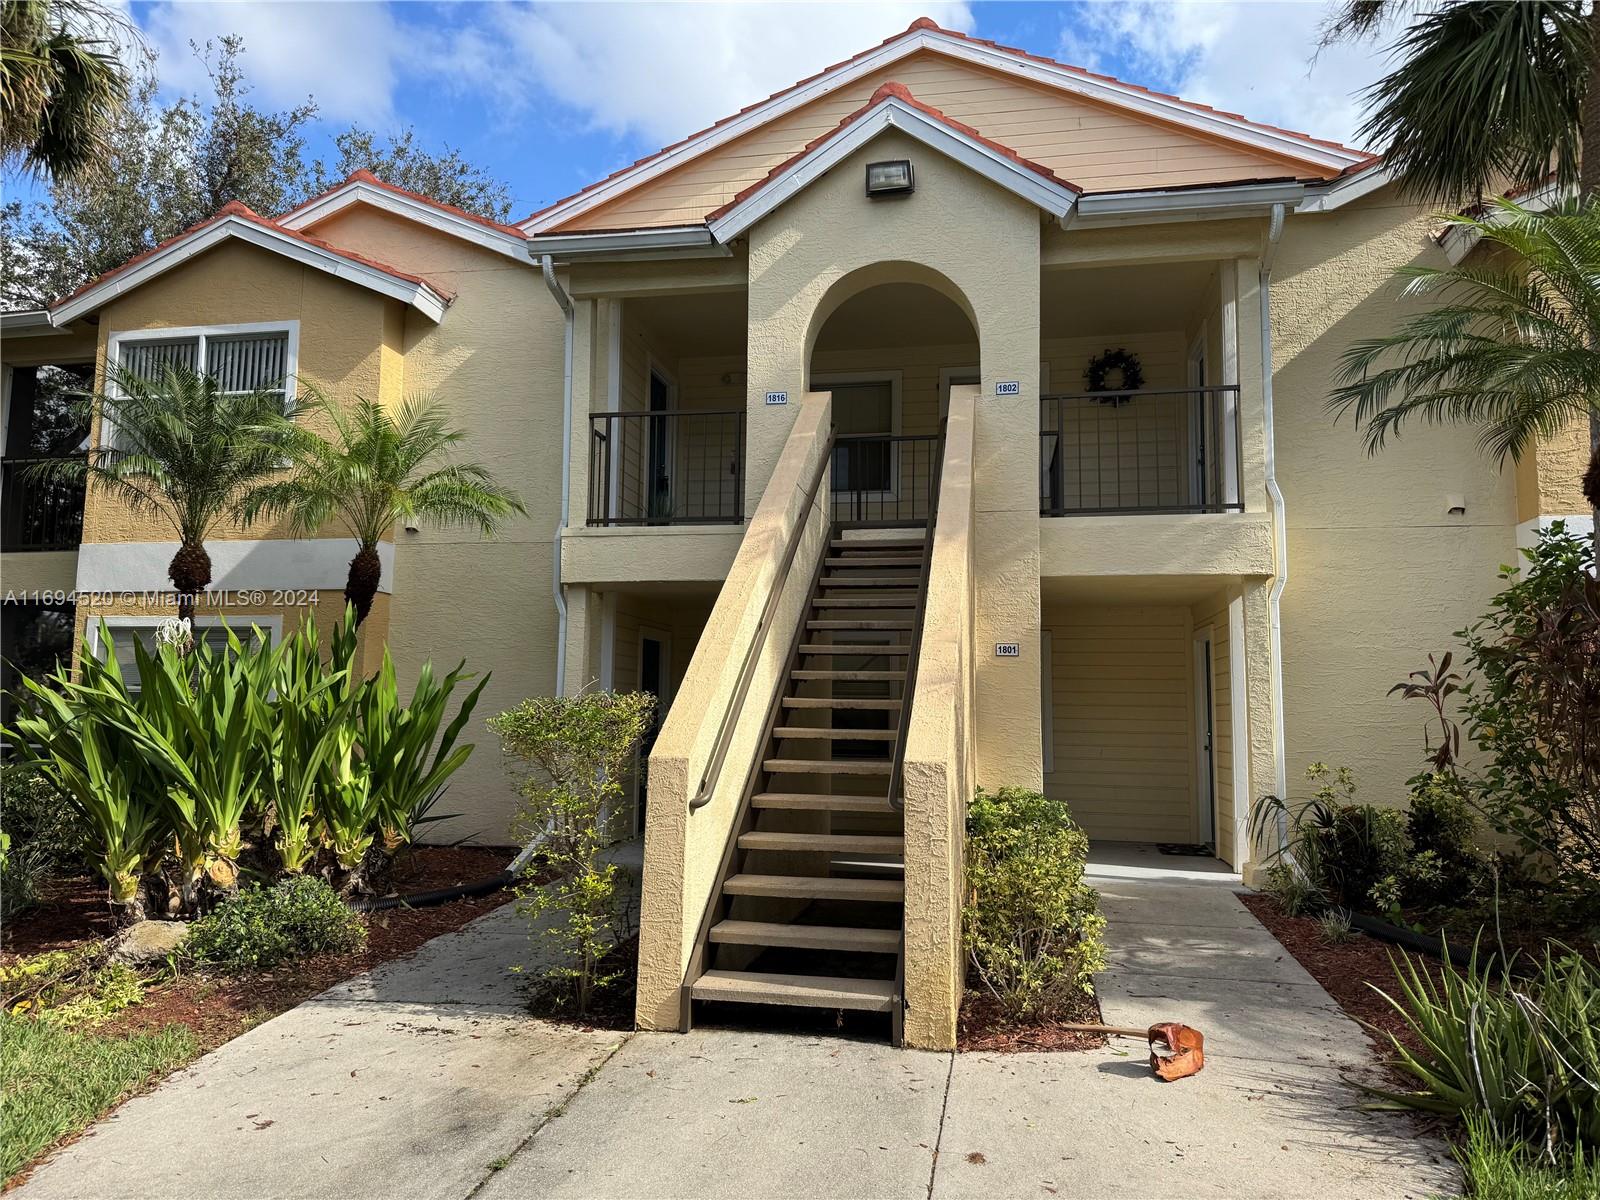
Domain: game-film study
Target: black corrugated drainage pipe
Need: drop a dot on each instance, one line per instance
(463, 891)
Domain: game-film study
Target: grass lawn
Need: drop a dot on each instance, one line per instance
(1497, 1172)
(56, 1081)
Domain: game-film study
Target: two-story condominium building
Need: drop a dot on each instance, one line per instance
(952, 418)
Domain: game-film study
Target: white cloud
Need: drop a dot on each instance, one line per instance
(1257, 59)
(661, 71)
(347, 55)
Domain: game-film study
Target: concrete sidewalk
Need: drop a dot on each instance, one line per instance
(427, 1079)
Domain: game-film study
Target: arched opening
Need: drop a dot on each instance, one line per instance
(889, 353)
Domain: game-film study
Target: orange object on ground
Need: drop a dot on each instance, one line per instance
(1176, 1051)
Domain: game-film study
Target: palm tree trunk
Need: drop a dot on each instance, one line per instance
(361, 585)
(190, 572)
(1588, 186)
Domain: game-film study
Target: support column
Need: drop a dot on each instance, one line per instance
(1261, 704)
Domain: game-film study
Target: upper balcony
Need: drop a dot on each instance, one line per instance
(38, 514)
(666, 467)
(1166, 450)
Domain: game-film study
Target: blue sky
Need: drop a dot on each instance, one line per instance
(552, 96)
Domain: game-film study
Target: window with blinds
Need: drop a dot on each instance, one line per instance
(241, 362)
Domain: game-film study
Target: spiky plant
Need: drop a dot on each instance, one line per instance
(61, 82)
(180, 448)
(1511, 346)
(378, 469)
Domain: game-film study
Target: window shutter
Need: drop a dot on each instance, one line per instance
(148, 359)
(257, 362)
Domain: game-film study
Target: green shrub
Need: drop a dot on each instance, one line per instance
(578, 748)
(42, 834)
(1446, 866)
(261, 927)
(78, 987)
(1335, 849)
(1031, 926)
(1520, 1054)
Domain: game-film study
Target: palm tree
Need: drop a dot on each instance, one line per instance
(1509, 347)
(376, 471)
(1488, 94)
(179, 447)
(61, 82)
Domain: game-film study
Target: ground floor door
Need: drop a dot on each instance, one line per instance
(1205, 742)
(655, 674)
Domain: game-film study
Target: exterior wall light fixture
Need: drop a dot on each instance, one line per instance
(892, 178)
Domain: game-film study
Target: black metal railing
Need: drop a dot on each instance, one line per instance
(675, 467)
(885, 480)
(35, 513)
(1164, 451)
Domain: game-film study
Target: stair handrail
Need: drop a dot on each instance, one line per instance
(758, 639)
(914, 649)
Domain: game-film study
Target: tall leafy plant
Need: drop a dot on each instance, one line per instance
(378, 469)
(575, 749)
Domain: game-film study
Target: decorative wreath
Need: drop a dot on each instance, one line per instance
(1125, 364)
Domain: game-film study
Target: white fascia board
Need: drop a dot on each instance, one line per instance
(1326, 197)
(411, 209)
(894, 114)
(419, 296)
(1458, 241)
(1244, 199)
(677, 240)
(1121, 95)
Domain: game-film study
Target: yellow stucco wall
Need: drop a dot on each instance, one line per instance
(495, 362)
(340, 347)
(829, 243)
(1379, 573)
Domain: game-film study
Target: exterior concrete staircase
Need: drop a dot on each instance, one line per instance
(809, 907)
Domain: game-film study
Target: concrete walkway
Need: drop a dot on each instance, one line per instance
(426, 1079)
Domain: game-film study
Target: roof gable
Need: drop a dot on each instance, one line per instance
(235, 221)
(1104, 134)
(893, 106)
(363, 187)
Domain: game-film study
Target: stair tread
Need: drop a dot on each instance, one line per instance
(907, 600)
(876, 560)
(868, 581)
(822, 802)
(864, 623)
(834, 735)
(823, 766)
(816, 887)
(811, 991)
(876, 543)
(839, 702)
(862, 676)
(824, 843)
(855, 648)
(807, 937)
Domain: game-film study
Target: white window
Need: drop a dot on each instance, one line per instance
(125, 631)
(241, 358)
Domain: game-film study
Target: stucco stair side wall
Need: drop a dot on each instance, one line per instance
(683, 850)
(340, 344)
(1380, 574)
(939, 753)
(979, 245)
(495, 364)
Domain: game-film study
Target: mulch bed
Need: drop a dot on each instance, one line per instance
(1348, 970)
(610, 1007)
(221, 1007)
(984, 1027)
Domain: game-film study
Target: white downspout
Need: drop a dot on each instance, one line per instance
(548, 266)
(1280, 530)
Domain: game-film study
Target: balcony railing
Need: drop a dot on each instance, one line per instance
(674, 467)
(38, 514)
(885, 480)
(1171, 451)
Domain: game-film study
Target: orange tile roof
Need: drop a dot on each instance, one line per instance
(928, 23)
(901, 92)
(236, 208)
